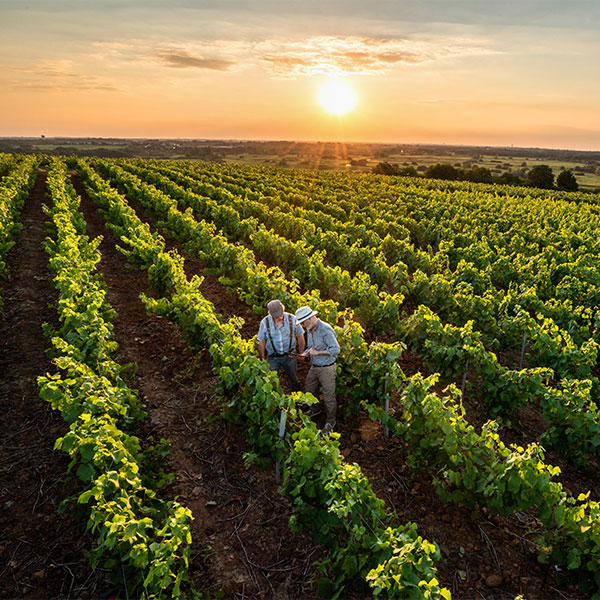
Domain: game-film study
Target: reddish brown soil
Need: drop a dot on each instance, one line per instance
(242, 543)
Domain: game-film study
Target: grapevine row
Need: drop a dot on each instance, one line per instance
(14, 189)
(147, 537)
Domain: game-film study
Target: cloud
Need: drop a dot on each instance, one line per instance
(60, 87)
(322, 55)
(184, 60)
(56, 75)
(356, 55)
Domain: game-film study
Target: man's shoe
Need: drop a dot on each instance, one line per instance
(312, 411)
(328, 428)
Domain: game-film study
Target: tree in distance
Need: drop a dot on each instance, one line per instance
(509, 179)
(478, 175)
(567, 181)
(408, 172)
(385, 168)
(442, 172)
(541, 176)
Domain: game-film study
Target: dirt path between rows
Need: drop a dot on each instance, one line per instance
(242, 542)
(43, 554)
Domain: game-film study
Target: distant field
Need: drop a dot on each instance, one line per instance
(326, 156)
(74, 147)
(496, 164)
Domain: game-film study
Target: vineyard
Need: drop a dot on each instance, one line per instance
(149, 453)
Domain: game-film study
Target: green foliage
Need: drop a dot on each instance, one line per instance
(366, 372)
(478, 175)
(442, 171)
(451, 350)
(14, 188)
(574, 421)
(407, 553)
(147, 538)
(541, 176)
(385, 168)
(567, 181)
(336, 504)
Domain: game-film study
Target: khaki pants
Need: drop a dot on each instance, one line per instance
(325, 378)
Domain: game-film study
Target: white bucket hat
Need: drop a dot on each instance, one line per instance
(304, 313)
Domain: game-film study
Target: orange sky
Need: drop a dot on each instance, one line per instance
(469, 71)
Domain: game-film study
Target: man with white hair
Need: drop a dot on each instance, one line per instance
(322, 347)
(278, 335)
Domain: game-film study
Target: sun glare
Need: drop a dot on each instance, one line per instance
(337, 97)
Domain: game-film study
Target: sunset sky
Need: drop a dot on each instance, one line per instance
(519, 72)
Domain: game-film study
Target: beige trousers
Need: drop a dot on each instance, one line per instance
(325, 378)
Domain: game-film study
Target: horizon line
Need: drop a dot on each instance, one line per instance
(280, 140)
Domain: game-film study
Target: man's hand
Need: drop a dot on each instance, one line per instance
(314, 352)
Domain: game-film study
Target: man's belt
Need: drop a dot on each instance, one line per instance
(278, 355)
(322, 366)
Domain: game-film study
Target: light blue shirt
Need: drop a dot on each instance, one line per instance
(323, 337)
(279, 334)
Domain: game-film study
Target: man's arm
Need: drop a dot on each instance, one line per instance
(262, 349)
(314, 352)
(262, 339)
(333, 347)
(301, 343)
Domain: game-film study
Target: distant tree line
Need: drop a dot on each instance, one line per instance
(385, 168)
(586, 157)
(540, 176)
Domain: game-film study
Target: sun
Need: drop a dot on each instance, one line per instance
(337, 97)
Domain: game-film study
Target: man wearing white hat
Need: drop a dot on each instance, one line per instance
(323, 348)
(277, 336)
